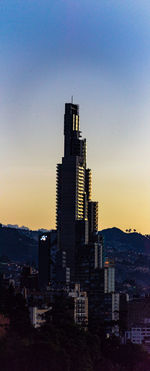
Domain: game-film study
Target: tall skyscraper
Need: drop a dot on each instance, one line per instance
(76, 214)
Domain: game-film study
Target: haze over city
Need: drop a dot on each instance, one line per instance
(99, 53)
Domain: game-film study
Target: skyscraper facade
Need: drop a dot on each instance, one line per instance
(76, 214)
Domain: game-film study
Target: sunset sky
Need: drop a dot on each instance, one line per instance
(99, 52)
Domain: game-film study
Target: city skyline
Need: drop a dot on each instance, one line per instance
(99, 54)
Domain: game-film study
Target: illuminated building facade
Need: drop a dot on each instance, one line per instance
(76, 214)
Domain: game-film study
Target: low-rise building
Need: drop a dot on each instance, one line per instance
(139, 335)
(37, 315)
(138, 322)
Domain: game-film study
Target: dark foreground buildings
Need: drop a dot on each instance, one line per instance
(47, 258)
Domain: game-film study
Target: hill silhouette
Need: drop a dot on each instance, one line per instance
(18, 244)
(117, 239)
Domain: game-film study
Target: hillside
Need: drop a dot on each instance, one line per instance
(18, 244)
(118, 239)
(131, 253)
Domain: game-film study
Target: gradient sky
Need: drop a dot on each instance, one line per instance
(99, 52)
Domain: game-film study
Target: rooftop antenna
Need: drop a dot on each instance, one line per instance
(72, 99)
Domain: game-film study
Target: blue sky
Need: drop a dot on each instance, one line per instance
(99, 52)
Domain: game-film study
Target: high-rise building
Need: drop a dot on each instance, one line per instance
(109, 277)
(76, 214)
(81, 248)
(47, 257)
(80, 306)
(62, 271)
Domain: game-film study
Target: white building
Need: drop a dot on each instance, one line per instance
(139, 335)
(80, 306)
(109, 277)
(37, 315)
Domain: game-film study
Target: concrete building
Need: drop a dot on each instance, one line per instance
(139, 335)
(103, 300)
(109, 277)
(138, 322)
(37, 316)
(80, 306)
